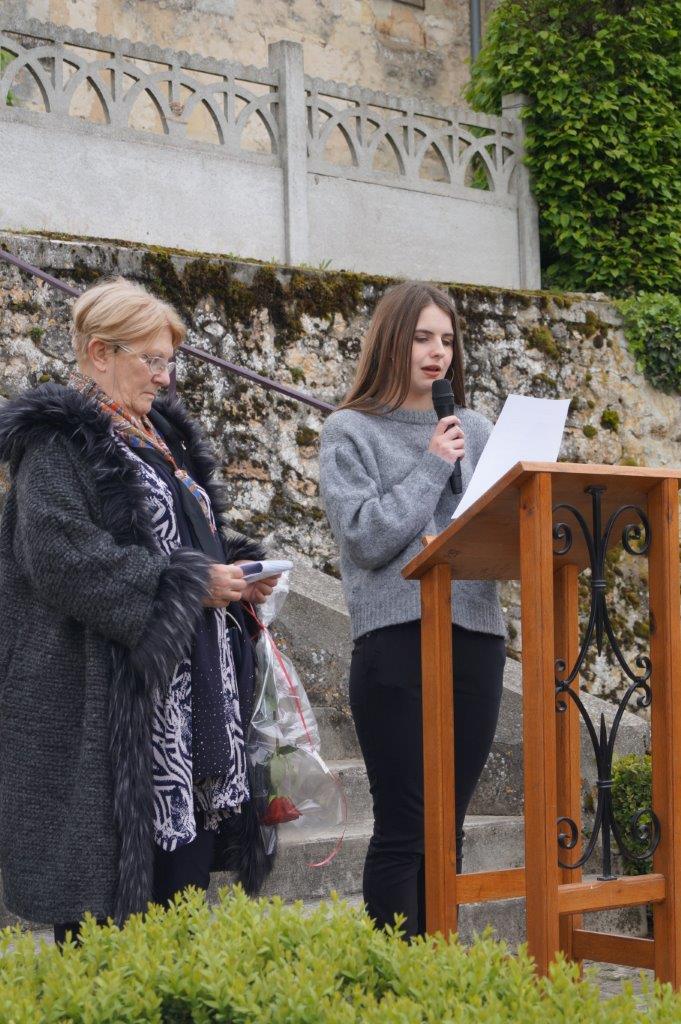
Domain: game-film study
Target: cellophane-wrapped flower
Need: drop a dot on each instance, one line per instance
(292, 785)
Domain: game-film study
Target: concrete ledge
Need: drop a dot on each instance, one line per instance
(314, 628)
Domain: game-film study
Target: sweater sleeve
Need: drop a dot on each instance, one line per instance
(376, 526)
(124, 592)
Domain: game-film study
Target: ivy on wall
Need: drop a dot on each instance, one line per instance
(604, 133)
(652, 323)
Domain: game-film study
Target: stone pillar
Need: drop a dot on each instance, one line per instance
(286, 58)
(528, 217)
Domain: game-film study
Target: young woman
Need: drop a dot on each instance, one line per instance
(386, 464)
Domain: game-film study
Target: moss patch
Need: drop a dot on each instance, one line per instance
(641, 629)
(36, 334)
(305, 436)
(545, 380)
(83, 274)
(610, 420)
(589, 430)
(540, 337)
(23, 306)
(239, 292)
(560, 299)
(592, 325)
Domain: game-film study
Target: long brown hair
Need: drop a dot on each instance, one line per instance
(383, 373)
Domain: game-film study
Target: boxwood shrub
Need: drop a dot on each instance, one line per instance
(267, 962)
(632, 791)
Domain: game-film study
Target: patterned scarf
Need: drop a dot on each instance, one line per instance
(139, 433)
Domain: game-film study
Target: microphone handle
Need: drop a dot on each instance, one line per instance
(445, 407)
(455, 479)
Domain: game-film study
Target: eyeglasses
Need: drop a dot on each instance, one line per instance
(156, 364)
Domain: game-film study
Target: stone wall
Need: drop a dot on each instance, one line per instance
(382, 44)
(305, 328)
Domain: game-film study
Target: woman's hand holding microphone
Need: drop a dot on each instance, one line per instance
(228, 583)
(448, 440)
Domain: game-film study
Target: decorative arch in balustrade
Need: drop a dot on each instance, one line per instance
(366, 122)
(119, 83)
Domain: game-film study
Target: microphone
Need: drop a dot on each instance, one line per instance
(443, 403)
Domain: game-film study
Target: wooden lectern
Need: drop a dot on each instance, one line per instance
(542, 523)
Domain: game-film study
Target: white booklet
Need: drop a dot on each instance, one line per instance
(263, 570)
(528, 430)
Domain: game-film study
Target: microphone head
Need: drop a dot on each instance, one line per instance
(442, 388)
(443, 398)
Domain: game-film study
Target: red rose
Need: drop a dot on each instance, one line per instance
(279, 810)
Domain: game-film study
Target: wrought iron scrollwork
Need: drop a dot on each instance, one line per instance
(644, 825)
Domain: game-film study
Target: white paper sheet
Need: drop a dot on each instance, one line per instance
(528, 430)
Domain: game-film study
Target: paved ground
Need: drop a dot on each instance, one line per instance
(610, 978)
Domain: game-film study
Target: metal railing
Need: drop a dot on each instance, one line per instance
(188, 350)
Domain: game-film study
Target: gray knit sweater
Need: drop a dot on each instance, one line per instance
(382, 490)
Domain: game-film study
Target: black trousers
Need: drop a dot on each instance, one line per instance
(173, 872)
(385, 698)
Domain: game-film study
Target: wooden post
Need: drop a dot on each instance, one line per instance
(665, 653)
(438, 749)
(539, 726)
(568, 760)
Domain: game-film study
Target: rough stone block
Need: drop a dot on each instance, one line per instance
(314, 629)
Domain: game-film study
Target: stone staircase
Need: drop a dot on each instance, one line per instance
(313, 628)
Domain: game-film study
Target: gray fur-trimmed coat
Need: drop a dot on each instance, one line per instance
(92, 617)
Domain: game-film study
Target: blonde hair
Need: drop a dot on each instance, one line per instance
(384, 369)
(118, 310)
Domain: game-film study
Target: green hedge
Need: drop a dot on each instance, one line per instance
(247, 961)
(604, 77)
(632, 791)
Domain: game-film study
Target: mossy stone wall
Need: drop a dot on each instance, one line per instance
(304, 327)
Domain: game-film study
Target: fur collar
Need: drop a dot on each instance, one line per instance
(53, 410)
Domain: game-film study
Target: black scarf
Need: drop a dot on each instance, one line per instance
(210, 750)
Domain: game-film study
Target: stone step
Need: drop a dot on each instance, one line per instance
(491, 843)
(294, 878)
(507, 920)
(503, 841)
(500, 790)
(352, 776)
(337, 734)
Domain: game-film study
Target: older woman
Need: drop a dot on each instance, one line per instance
(125, 664)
